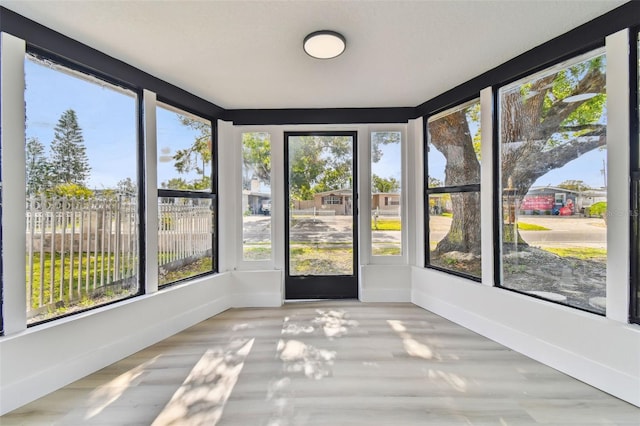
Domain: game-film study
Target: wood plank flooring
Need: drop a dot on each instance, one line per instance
(327, 363)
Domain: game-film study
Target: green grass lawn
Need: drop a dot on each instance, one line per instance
(253, 252)
(386, 250)
(78, 282)
(583, 253)
(200, 266)
(329, 259)
(384, 224)
(522, 226)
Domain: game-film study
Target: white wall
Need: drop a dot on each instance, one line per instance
(602, 352)
(385, 283)
(382, 278)
(46, 357)
(252, 289)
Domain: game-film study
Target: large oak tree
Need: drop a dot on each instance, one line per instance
(544, 123)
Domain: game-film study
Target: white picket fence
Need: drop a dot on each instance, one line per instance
(78, 248)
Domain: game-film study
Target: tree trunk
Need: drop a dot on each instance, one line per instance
(451, 136)
(464, 234)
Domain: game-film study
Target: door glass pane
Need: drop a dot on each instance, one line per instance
(320, 170)
(256, 196)
(386, 191)
(554, 183)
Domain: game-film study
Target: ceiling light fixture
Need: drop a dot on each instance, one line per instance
(324, 44)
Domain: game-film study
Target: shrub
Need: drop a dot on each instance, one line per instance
(70, 190)
(597, 209)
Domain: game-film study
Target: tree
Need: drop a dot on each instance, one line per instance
(545, 124)
(574, 185)
(196, 158)
(68, 152)
(451, 135)
(127, 188)
(386, 185)
(542, 132)
(70, 190)
(382, 138)
(176, 183)
(256, 158)
(39, 173)
(435, 182)
(319, 164)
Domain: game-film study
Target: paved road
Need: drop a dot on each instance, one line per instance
(564, 231)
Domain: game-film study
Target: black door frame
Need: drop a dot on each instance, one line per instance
(322, 286)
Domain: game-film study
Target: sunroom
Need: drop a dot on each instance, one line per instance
(165, 162)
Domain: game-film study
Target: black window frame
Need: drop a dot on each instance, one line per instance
(79, 57)
(211, 193)
(453, 189)
(496, 154)
(634, 164)
(80, 68)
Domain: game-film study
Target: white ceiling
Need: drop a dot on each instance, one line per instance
(248, 54)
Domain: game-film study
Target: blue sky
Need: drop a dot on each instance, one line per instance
(108, 121)
(390, 163)
(171, 136)
(587, 167)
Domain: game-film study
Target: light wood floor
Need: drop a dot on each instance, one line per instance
(327, 363)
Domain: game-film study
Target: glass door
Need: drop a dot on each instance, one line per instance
(321, 211)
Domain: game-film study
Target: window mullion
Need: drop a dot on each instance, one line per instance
(151, 192)
(13, 183)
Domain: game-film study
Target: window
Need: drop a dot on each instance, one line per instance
(82, 209)
(186, 201)
(386, 190)
(453, 190)
(256, 196)
(553, 183)
(331, 199)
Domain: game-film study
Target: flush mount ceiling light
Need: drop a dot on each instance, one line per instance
(324, 44)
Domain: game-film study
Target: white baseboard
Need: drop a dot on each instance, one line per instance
(607, 377)
(45, 358)
(385, 295)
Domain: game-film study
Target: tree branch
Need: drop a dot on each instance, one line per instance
(593, 82)
(536, 164)
(593, 127)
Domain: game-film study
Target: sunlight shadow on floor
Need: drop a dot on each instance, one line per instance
(108, 393)
(411, 346)
(202, 396)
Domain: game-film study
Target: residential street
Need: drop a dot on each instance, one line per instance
(564, 231)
